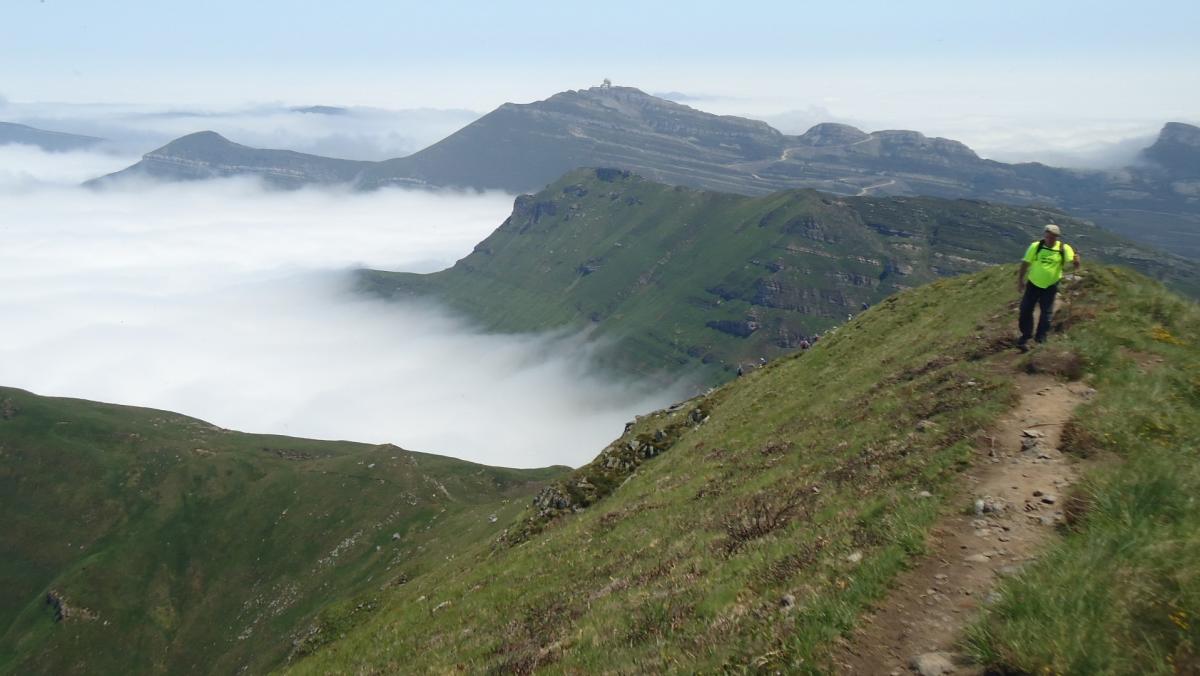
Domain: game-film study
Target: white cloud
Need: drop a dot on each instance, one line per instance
(232, 304)
(357, 133)
(25, 167)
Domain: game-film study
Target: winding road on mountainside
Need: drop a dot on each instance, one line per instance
(1018, 485)
(785, 155)
(863, 191)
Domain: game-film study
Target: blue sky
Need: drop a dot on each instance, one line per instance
(891, 63)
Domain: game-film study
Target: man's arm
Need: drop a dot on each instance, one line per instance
(1021, 277)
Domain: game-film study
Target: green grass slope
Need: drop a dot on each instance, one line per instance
(685, 280)
(1121, 593)
(169, 545)
(748, 529)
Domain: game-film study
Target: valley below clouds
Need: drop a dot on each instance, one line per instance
(234, 304)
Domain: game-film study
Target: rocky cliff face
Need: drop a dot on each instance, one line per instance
(1177, 149)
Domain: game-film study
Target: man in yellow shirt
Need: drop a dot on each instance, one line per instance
(1038, 282)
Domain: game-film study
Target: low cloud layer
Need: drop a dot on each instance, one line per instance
(232, 304)
(355, 133)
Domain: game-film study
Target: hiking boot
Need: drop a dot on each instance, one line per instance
(1023, 345)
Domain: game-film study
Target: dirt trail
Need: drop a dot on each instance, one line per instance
(1021, 479)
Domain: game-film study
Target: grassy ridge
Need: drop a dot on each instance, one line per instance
(179, 547)
(685, 281)
(758, 536)
(745, 530)
(1121, 594)
(750, 542)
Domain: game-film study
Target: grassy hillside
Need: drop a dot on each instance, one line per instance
(748, 529)
(168, 545)
(753, 539)
(1121, 593)
(684, 280)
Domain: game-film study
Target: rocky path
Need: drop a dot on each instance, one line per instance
(1017, 487)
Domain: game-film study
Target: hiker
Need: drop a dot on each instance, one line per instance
(1037, 281)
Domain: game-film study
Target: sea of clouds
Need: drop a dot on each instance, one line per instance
(354, 133)
(232, 303)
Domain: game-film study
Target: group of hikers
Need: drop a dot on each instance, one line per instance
(1037, 283)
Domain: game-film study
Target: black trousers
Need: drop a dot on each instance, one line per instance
(1043, 298)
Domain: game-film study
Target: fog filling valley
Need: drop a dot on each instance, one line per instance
(232, 303)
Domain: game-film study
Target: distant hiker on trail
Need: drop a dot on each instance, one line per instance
(1037, 281)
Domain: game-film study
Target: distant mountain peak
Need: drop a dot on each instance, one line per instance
(11, 132)
(321, 110)
(199, 137)
(833, 134)
(196, 142)
(1180, 132)
(1177, 149)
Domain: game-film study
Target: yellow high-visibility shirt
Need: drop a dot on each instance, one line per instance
(1046, 264)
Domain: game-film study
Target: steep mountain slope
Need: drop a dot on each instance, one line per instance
(140, 541)
(54, 141)
(523, 147)
(683, 279)
(520, 147)
(207, 154)
(1177, 150)
(748, 529)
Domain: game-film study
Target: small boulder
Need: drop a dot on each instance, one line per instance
(932, 664)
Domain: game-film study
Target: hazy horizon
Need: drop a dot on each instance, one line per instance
(1066, 83)
(377, 134)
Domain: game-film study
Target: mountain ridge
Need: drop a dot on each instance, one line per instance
(143, 540)
(53, 141)
(687, 281)
(523, 147)
(752, 528)
(207, 154)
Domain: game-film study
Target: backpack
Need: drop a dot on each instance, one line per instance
(1062, 249)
